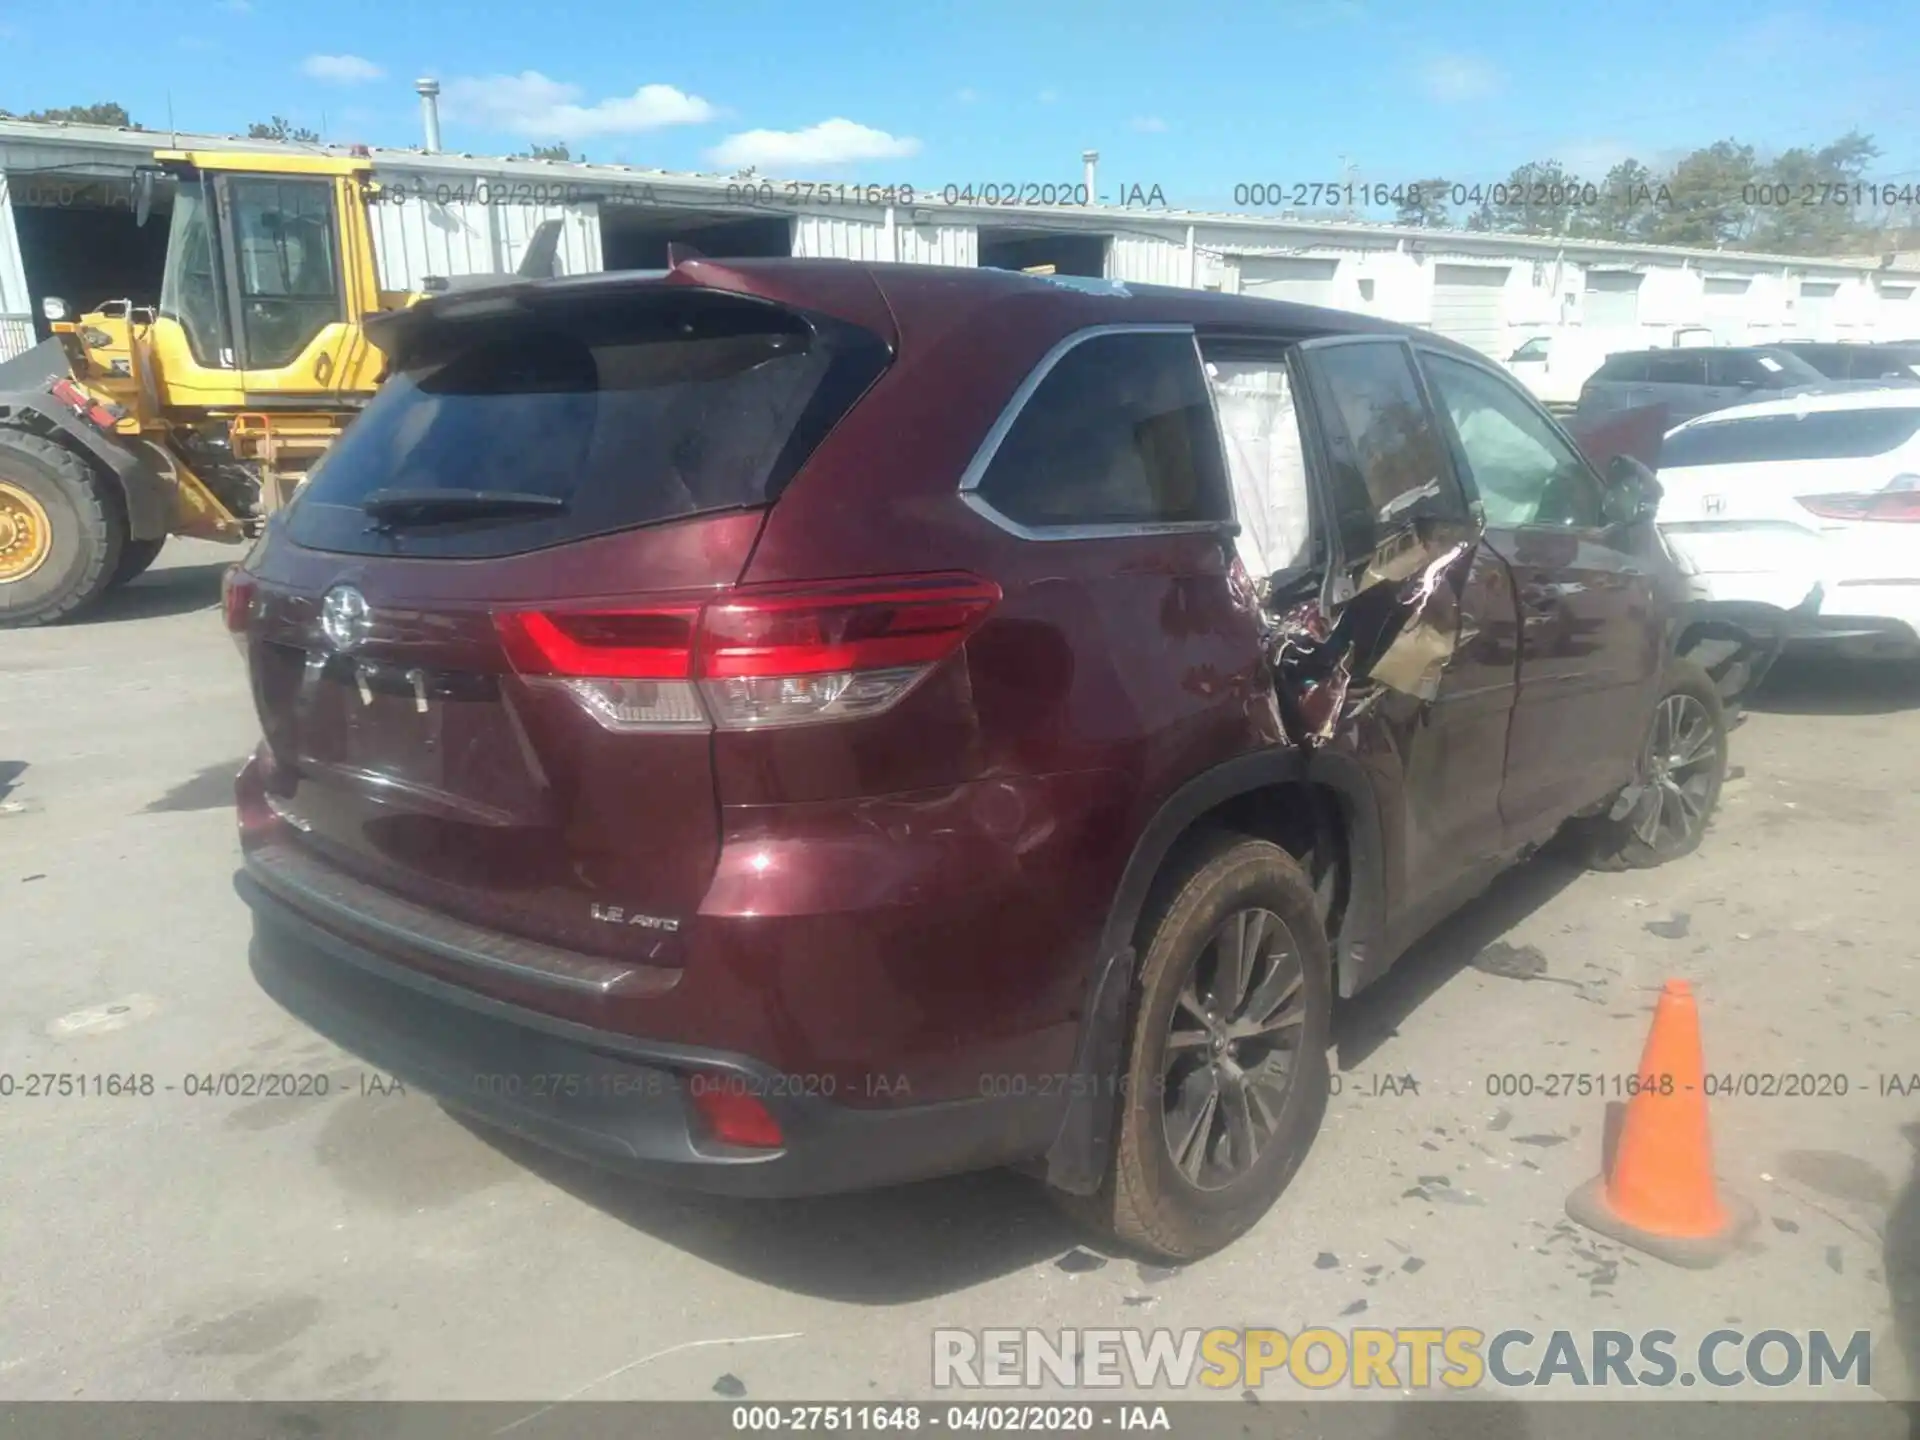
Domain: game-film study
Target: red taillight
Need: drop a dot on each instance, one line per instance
(1890, 504)
(753, 657)
(732, 1113)
(1897, 500)
(602, 644)
(820, 630)
(237, 591)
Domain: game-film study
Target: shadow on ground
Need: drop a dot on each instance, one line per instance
(176, 590)
(10, 773)
(211, 789)
(881, 1247)
(1361, 1024)
(912, 1242)
(1900, 1264)
(1817, 685)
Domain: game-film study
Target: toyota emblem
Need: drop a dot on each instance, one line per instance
(345, 617)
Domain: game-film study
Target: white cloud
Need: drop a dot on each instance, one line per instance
(1454, 78)
(342, 69)
(1149, 125)
(831, 142)
(967, 95)
(530, 104)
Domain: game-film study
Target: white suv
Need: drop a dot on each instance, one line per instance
(1807, 507)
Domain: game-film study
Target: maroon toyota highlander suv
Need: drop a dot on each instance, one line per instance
(790, 726)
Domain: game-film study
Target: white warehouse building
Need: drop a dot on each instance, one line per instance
(67, 229)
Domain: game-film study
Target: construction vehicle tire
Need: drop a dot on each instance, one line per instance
(61, 534)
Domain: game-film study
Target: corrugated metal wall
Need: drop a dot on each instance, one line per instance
(837, 237)
(1146, 261)
(938, 245)
(833, 237)
(16, 306)
(415, 237)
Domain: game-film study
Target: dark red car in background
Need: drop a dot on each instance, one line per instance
(792, 726)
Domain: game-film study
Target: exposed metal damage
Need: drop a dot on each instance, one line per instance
(1398, 631)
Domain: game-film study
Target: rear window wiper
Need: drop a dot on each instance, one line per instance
(430, 507)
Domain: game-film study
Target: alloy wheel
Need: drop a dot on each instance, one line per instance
(1680, 767)
(1231, 1043)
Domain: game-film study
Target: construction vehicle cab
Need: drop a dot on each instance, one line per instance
(199, 415)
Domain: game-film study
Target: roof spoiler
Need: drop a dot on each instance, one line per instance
(541, 262)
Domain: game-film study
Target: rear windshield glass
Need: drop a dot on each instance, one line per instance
(632, 410)
(1817, 435)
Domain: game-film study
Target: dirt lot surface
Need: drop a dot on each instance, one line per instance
(364, 1244)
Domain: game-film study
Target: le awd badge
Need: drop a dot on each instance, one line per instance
(619, 915)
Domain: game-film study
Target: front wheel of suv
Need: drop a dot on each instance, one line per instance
(1664, 813)
(1226, 1077)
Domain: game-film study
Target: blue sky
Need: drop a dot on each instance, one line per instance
(1195, 98)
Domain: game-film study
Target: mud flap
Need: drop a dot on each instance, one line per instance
(1397, 631)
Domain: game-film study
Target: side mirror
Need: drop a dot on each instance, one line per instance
(54, 308)
(1633, 492)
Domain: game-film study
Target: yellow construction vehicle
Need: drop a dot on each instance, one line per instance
(199, 416)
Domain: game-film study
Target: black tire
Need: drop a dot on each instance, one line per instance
(1628, 843)
(88, 532)
(135, 557)
(1147, 1200)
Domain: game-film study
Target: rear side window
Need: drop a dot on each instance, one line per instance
(1817, 435)
(631, 409)
(1676, 369)
(1830, 360)
(1389, 461)
(1623, 367)
(1119, 432)
(1737, 367)
(1878, 362)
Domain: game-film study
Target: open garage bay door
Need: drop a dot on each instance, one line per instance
(1303, 281)
(1467, 305)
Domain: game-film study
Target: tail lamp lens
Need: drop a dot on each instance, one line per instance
(732, 1113)
(1898, 500)
(237, 591)
(754, 658)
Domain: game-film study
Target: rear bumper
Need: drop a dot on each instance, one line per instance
(1866, 620)
(612, 1099)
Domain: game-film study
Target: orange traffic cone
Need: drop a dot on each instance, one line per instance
(1659, 1196)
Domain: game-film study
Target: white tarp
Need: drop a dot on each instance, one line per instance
(1265, 463)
